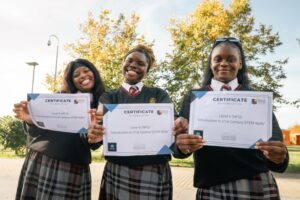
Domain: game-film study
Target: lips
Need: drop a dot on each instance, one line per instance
(131, 73)
(85, 82)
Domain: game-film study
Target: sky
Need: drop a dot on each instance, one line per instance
(25, 27)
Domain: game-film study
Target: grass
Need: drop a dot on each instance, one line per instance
(97, 156)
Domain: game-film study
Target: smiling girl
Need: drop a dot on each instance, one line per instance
(57, 164)
(135, 177)
(232, 173)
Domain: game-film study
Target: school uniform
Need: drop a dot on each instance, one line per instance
(136, 177)
(56, 166)
(233, 173)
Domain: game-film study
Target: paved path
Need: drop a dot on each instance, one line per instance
(289, 184)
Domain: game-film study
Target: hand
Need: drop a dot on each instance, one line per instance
(274, 151)
(181, 126)
(188, 143)
(22, 113)
(96, 117)
(95, 131)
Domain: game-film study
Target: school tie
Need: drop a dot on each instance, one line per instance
(133, 90)
(225, 87)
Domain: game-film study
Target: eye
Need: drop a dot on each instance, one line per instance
(75, 75)
(232, 59)
(217, 59)
(141, 63)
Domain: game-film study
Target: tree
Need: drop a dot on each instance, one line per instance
(105, 42)
(192, 39)
(12, 135)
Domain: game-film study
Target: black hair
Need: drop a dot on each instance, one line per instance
(98, 88)
(242, 75)
(147, 51)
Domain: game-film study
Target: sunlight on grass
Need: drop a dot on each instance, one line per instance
(97, 156)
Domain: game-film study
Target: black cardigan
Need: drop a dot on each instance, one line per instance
(68, 147)
(147, 95)
(218, 165)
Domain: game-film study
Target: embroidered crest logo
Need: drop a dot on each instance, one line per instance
(152, 100)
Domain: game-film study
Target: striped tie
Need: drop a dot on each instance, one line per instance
(133, 90)
(226, 87)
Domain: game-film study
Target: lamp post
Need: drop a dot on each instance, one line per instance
(56, 59)
(33, 64)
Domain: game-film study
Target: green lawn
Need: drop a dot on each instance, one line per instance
(294, 164)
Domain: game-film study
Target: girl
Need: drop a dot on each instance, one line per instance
(135, 177)
(57, 164)
(232, 173)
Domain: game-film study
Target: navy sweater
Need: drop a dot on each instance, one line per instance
(218, 165)
(147, 95)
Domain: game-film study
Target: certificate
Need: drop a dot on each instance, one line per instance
(60, 112)
(231, 118)
(138, 129)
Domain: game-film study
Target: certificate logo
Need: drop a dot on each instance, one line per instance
(198, 132)
(160, 112)
(112, 146)
(255, 101)
(77, 101)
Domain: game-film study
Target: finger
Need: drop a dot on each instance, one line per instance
(180, 125)
(270, 143)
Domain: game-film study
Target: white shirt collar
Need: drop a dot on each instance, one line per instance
(217, 85)
(127, 86)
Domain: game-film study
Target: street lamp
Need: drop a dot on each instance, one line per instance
(32, 64)
(49, 44)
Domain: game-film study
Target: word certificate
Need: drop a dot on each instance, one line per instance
(138, 129)
(231, 118)
(60, 112)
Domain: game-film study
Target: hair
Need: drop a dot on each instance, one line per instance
(69, 86)
(242, 75)
(147, 51)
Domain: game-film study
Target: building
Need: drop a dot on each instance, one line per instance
(292, 135)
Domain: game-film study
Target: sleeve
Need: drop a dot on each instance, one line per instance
(163, 97)
(106, 97)
(184, 112)
(185, 107)
(277, 136)
(32, 130)
(177, 153)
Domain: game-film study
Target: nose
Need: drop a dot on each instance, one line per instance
(224, 63)
(132, 65)
(82, 75)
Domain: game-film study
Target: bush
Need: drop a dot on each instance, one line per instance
(12, 134)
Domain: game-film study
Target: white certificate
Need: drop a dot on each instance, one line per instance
(60, 112)
(138, 129)
(231, 118)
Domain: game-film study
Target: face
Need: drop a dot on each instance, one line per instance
(135, 67)
(225, 63)
(83, 79)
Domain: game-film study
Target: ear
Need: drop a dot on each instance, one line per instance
(241, 65)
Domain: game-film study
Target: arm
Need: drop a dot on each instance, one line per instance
(22, 113)
(96, 130)
(185, 143)
(275, 151)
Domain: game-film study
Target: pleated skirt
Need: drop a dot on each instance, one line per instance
(261, 186)
(46, 178)
(145, 182)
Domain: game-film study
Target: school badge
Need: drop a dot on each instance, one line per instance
(152, 100)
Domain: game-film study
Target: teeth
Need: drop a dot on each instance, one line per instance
(131, 73)
(85, 82)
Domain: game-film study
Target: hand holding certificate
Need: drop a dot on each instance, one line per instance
(138, 129)
(231, 119)
(60, 112)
